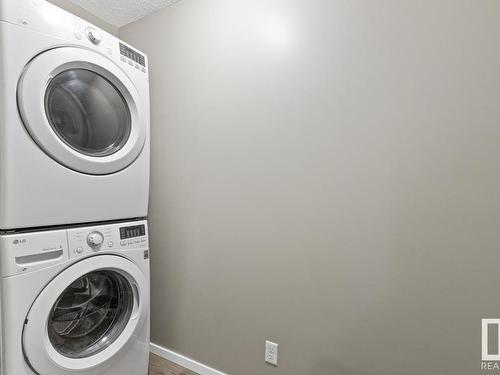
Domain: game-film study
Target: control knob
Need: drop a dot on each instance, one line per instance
(94, 35)
(95, 239)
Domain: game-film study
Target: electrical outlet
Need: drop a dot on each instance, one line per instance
(271, 354)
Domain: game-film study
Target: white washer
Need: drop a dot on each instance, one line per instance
(76, 301)
(74, 120)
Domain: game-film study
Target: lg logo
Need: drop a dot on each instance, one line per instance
(17, 242)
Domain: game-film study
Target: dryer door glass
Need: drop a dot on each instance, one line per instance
(90, 314)
(87, 112)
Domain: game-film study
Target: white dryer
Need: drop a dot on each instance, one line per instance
(74, 120)
(76, 301)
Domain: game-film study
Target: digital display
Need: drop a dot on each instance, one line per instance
(134, 231)
(132, 55)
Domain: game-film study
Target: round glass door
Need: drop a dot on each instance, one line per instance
(87, 112)
(83, 110)
(90, 314)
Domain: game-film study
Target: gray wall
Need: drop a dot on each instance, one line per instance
(82, 13)
(325, 174)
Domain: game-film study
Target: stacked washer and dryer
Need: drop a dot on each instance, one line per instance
(74, 181)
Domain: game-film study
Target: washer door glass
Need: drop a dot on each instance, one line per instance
(87, 112)
(90, 314)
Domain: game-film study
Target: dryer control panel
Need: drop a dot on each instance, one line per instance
(48, 19)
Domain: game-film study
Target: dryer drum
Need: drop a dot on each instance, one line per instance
(88, 112)
(90, 314)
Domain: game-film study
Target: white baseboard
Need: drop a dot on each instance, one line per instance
(183, 361)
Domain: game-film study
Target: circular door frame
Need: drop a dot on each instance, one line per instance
(31, 93)
(39, 351)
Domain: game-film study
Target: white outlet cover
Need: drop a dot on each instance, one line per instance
(271, 353)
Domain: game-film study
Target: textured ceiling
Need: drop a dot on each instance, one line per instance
(121, 12)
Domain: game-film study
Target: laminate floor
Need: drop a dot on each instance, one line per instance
(160, 366)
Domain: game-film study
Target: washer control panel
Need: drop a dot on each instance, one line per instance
(26, 252)
(111, 237)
